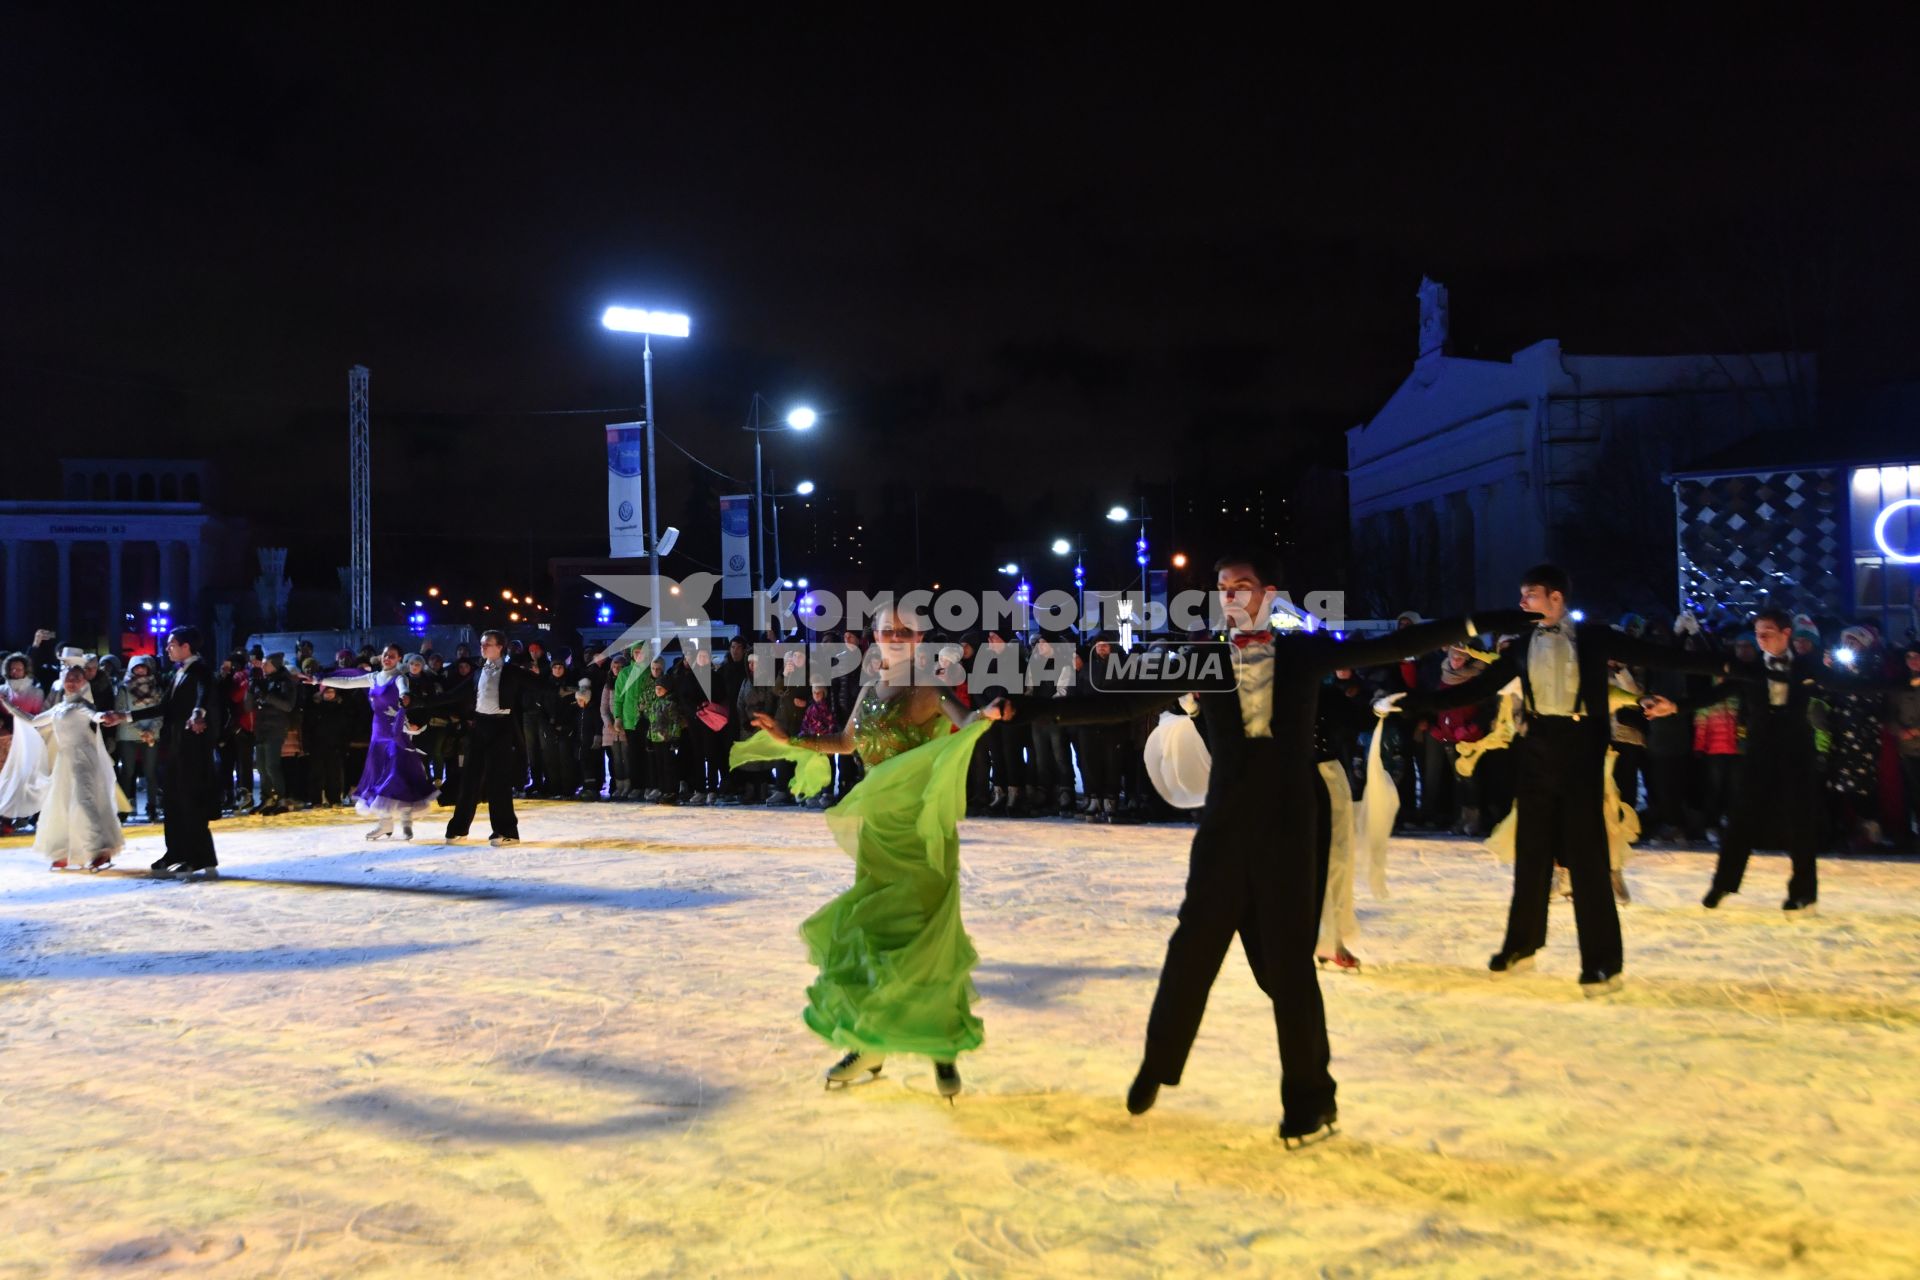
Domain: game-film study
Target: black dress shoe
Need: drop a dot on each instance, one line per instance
(1511, 961)
(1141, 1096)
(1714, 898)
(1799, 904)
(1305, 1130)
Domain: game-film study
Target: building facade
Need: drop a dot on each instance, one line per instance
(1807, 526)
(1475, 469)
(128, 532)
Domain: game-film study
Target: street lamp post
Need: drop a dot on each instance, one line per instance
(1120, 515)
(800, 490)
(667, 324)
(801, 419)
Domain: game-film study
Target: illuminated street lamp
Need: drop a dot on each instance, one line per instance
(649, 324)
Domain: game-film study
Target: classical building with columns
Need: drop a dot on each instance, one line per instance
(127, 531)
(1475, 469)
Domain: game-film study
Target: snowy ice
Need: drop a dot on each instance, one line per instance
(583, 1056)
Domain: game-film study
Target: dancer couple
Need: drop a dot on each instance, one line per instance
(892, 953)
(393, 786)
(59, 769)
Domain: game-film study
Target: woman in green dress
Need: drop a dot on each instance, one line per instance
(895, 961)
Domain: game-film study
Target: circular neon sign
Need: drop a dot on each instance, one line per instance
(1880, 531)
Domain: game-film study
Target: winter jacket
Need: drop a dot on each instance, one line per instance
(818, 720)
(1716, 729)
(272, 698)
(626, 695)
(1903, 717)
(660, 711)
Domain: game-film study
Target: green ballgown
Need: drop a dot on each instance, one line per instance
(895, 961)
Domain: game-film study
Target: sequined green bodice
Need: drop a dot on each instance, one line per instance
(881, 731)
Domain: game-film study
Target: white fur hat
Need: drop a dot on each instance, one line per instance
(72, 657)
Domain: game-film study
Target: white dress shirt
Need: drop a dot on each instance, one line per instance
(486, 690)
(1254, 665)
(1779, 692)
(1553, 670)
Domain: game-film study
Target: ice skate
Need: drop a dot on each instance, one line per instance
(1801, 907)
(1594, 983)
(381, 830)
(101, 862)
(1341, 959)
(1511, 962)
(406, 829)
(1714, 898)
(59, 864)
(946, 1078)
(1306, 1131)
(855, 1068)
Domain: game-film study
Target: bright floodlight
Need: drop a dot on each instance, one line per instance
(804, 488)
(803, 584)
(164, 606)
(1117, 514)
(801, 419)
(661, 324)
(1062, 547)
(1009, 568)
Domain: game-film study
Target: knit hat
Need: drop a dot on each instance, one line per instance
(1858, 637)
(1807, 631)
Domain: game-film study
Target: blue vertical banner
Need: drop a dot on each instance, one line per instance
(626, 527)
(735, 559)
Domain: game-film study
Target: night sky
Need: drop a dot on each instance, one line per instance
(1021, 269)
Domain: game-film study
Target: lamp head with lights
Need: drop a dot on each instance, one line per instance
(804, 488)
(802, 419)
(659, 324)
(1117, 514)
(1062, 547)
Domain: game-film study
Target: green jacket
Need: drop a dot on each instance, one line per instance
(661, 712)
(626, 694)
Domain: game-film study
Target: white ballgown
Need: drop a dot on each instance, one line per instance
(59, 768)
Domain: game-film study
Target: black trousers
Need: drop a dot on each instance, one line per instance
(1559, 789)
(1667, 792)
(1257, 878)
(192, 801)
(1776, 804)
(1006, 745)
(493, 767)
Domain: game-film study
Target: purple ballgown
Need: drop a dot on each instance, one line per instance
(394, 784)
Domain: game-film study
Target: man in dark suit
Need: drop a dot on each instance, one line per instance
(1778, 800)
(1253, 869)
(491, 700)
(189, 726)
(1559, 757)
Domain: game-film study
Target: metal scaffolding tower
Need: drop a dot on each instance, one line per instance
(360, 468)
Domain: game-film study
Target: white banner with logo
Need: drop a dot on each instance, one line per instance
(626, 528)
(735, 560)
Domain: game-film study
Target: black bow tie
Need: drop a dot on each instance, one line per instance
(1553, 629)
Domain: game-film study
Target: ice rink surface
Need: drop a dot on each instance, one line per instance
(583, 1056)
